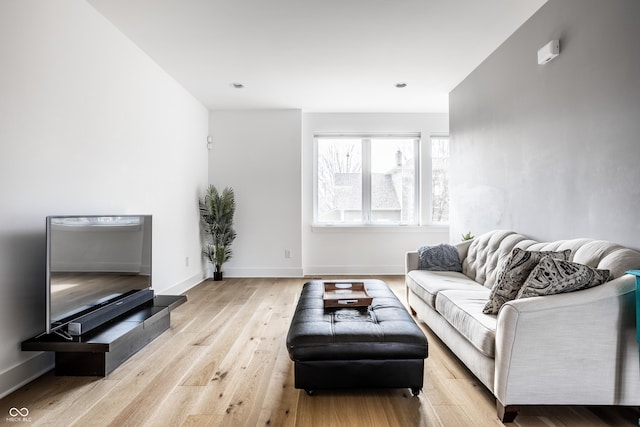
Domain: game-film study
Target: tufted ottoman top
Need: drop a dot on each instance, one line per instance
(384, 330)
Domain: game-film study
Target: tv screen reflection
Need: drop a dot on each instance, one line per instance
(93, 259)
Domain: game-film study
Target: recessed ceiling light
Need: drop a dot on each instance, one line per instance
(401, 85)
(237, 85)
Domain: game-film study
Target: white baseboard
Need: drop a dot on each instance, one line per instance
(22, 373)
(184, 286)
(347, 270)
(354, 270)
(262, 272)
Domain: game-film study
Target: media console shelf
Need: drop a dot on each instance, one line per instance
(103, 349)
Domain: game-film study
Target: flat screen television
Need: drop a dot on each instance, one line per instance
(94, 261)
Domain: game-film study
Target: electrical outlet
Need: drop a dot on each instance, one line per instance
(287, 253)
(186, 262)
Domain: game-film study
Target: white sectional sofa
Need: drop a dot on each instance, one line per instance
(576, 348)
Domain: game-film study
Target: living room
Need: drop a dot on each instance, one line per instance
(92, 125)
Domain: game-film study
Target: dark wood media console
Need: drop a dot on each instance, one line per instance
(103, 349)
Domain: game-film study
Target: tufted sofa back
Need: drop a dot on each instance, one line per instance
(597, 254)
(487, 251)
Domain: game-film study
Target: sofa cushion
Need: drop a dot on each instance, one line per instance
(463, 310)
(513, 273)
(554, 276)
(426, 284)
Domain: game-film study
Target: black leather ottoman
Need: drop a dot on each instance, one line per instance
(379, 346)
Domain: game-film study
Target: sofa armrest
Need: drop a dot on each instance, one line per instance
(568, 348)
(463, 248)
(411, 262)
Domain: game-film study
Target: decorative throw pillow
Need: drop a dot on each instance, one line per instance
(515, 271)
(554, 276)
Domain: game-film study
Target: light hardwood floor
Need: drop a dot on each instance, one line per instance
(224, 362)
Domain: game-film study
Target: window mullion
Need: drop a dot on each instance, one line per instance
(366, 181)
(417, 180)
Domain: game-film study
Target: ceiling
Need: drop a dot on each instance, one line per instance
(322, 55)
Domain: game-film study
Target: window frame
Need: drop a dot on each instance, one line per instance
(366, 166)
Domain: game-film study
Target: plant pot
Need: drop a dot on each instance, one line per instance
(217, 276)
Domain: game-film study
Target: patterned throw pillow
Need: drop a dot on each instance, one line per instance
(554, 276)
(515, 271)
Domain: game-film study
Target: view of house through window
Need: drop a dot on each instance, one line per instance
(440, 179)
(339, 193)
(367, 179)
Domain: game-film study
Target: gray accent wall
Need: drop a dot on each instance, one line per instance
(553, 151)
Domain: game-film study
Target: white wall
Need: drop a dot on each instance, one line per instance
(257, 153)
(266, 156)
(552, 150)
(360, 251)
(88, 125)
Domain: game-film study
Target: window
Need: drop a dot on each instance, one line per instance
(367, 179)
(439, 179)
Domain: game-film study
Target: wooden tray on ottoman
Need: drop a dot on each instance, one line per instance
(345, 294)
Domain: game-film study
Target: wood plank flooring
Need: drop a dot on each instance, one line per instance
(224, 363)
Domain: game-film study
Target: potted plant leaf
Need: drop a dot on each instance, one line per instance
(216, 213)
(467, 236)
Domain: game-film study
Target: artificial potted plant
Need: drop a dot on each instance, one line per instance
(467, 236)
(216, 212)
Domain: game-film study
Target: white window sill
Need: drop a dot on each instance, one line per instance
(378, 228)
